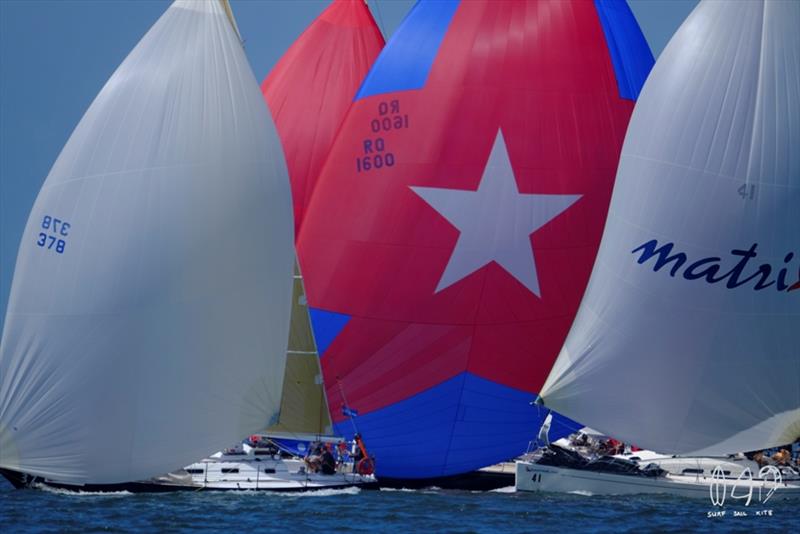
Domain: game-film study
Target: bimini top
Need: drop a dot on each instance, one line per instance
(453, 228)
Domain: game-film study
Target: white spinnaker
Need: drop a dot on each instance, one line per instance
(681, 365)
(159, 334)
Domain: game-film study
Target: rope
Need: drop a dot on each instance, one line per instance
(347, 405)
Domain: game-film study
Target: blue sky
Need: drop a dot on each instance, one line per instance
(55, 56)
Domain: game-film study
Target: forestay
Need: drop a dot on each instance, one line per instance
(686, 340)
(149, 311)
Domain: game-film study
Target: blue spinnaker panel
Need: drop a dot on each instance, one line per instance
(460, 425)
(629, 50)
(326, 326)
(406, 62)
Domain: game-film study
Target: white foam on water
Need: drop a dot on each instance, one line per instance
(79, 493)
(408, 490)
(323, 492)
(507, 489)
(581, 492)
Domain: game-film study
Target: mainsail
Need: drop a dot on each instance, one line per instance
(686, 340)
(149, 311)
(312, 86)
(304, 408)
(454, 225)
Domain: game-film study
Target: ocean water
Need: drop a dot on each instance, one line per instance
(355, 510)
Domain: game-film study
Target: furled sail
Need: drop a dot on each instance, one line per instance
(149, 311)
(686, 340)
(304, 408)
(454, 225)
(312, 86)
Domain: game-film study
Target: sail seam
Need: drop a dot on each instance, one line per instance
(758, 111)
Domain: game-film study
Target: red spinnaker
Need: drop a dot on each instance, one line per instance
(312, 87)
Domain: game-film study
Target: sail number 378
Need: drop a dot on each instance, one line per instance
(52, 237)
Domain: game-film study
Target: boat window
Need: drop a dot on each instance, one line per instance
(195, 471)
(262, 453)
(692, 471)
(269, 470)
(226, 470)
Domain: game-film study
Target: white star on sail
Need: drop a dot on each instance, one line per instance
(495, 222)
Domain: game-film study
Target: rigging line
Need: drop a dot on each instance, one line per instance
(321, 403)
(347, 405)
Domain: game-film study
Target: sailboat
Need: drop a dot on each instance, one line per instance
(685, 341)
(149, 309)
(452, 230)
(273, 459)
(308, 93)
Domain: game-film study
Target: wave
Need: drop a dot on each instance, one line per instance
(507, 489)
(80, 493)
(323, 492)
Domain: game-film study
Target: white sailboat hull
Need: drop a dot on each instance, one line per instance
(533, 477)
(266, 473)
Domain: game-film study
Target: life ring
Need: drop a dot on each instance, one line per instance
(365, 466)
